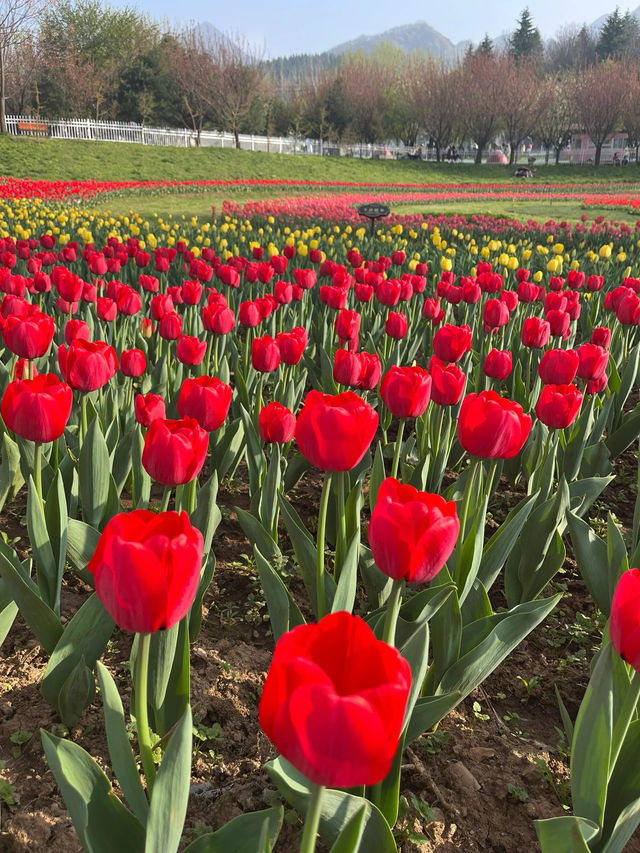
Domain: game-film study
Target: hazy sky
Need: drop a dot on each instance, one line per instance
(284, 27)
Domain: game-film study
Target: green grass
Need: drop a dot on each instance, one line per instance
(84, 160)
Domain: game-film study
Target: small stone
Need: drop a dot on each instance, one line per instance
(461, 778)
(199, 652)
(480, 753)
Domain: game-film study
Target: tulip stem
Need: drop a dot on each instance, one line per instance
(341, 527)
(142, 720)
(83, 418)
(393, 609)
(37, 470)
(397, 449)
(625, 716)
(166, 495)
(310, 832)
(322, 526)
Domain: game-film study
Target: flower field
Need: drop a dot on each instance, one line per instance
(315, 535)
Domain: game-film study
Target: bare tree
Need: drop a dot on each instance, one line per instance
(367, 82)
(598, 96)
(435, 100)
(241, 80)
(631, 110)
(191, 59)
(556, 118)
(16, 17)
(521, 104)
(482, 90)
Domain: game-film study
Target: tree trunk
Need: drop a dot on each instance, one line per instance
(513, 154)
(478, 159)
(596, 161)
(438, 155)
(546, 155)
(3, 117)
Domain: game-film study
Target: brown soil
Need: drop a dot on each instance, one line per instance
(493, 766)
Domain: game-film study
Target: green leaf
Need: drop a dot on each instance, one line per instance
(377, 475)
(296, 467)
(268, 503)
(40, 618)
(566, 834)
(486, 643)
(428, 712)
(171, 791)
(283, 611)
(76, 693)
(351, 835)
(591, 556)
(337, 808)
(10, 476)
(502, 542)
(258, 536)
(95, 475)
(242, 834)
(7, 618)
(345, 595)
(625, 435)
(102, 822)
(85, 637)
(162, 652)
(195, 614)
(122, 759)
(446, 633)
(622, 813)
(227, 449)
(141, 481)
(122, 460)
(46, 563)
(82, 541)
(591, 745)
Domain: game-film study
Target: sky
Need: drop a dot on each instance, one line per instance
(281, 27)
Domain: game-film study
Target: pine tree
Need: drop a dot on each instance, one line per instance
(526, 40)
(485, 48)
(618, 35)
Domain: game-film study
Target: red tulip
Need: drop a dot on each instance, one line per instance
(535, 332)
(170, 326)
(28, 335)
(148, 408)
(492, 427)
(406, 391)
(593, 361)
(558, 405)
(334, 431)
(174, 450)
(558, 366)
(447, 382)
(206, 399)
(412, 534)
(133, 362)
(624, 624)
(498, 363)
(37, 409)
(87, 365)
(190, 350)
(76, 329)
(451, 342)
(276, 423)
(371, 371)
(601, 336)
(106, 309)
(146, 569)
(291, 345)
(347, 368)
(347, 324)
(333, 701)
(249, 314)
(396, 325)
(265, 354)
(558, 323)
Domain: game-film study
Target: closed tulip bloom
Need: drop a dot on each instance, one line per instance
(388, 291)
(249, 314)
(451, 342)
(333, 701)
(558, 405)
(371, 371)
(291, 346)
(558, 366)
(412, 534)
(492, 427)
(148, 408)
(558, 323)
(106, 309)
(161, 304)
(498, 363)
(29, 335)
(37, 409)
(447, 382)
(146, 569)
(396, 325)
(347, 324)
(190, 350)
(628, 310)
(174, 450)
(76, 329)
(170, 326)
(595, 282)
(206, 399)
(129, 301)
(133, 362)
(601, 336)
(304, 278)
(535, 333)
(406, 391)
(347, 368)
(276, 423)
(87, 365)
(334, 431)
(265, 354)
(191, 292)
(593, 361)
(624, 624)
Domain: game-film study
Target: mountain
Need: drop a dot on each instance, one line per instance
(597, 25)
(410, 37)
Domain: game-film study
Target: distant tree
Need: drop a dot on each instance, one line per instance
(191, 63)
(23, 61)
(336, 104)
(556, 118)
(525, 42)
(618, 36)
(572, 47)
(521, 104)
(241, 78)
(16, 17)
(148, 90)
(481, 95)
(366, 85)
(598, 97)
(631, 110)
(485, 48)
(436, 97)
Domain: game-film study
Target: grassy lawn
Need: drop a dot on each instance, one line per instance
(104, 161)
